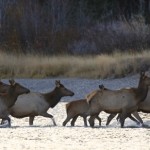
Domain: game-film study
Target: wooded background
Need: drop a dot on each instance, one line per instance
(74, 26)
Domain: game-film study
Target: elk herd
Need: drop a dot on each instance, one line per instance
(19, 102)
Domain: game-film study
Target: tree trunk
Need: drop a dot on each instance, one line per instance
(147, 12)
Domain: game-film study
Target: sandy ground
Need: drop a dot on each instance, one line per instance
(43, 135)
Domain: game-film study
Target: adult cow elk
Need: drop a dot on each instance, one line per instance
(122, 101)
(37, 104)
(3, 87)
(9, 98)
(143, 107)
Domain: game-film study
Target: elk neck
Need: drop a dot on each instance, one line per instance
(53, 97)
(10, 98)
(141, 92)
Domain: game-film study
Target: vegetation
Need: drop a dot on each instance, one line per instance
(74, 26)
(74, 38)
(96, 66)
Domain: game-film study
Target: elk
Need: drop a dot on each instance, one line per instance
(123, 101)
(78, 108)
(3, 87)
(111, 116)
(142, 107)
(37, 104)
(9, 98)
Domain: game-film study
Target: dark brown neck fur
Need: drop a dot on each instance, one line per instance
(53, 97)
(142, 91)
(10, 98)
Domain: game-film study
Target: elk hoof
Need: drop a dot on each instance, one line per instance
(64, 124)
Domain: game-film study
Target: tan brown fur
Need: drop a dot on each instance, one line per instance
(8, 99)
(37, 104)
(77, 108)
(143, 107)
(3, 87)
(122, 101)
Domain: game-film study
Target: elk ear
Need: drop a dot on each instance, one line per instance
(57, 83)
(12, 82)
(142, 74)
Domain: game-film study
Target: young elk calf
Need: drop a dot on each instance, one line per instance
(37, 104)
(8, 99)
(78, 108)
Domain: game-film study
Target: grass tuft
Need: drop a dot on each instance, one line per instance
(98, 66)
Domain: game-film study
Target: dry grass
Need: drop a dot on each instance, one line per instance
(99, 66)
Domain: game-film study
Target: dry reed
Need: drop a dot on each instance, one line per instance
(98, 66)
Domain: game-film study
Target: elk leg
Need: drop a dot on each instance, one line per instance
(91, 121)
(2, 121)
(99, 119)
(67, 120)
(123, 116)
(85, 121)
(122, 120)
(8, 119)
(92, 118)
(74, 120)
(133, 119)
(31, 119)
(136, 115)
(49, 116)
(118, 117)
(110, 117)
(130, 116)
